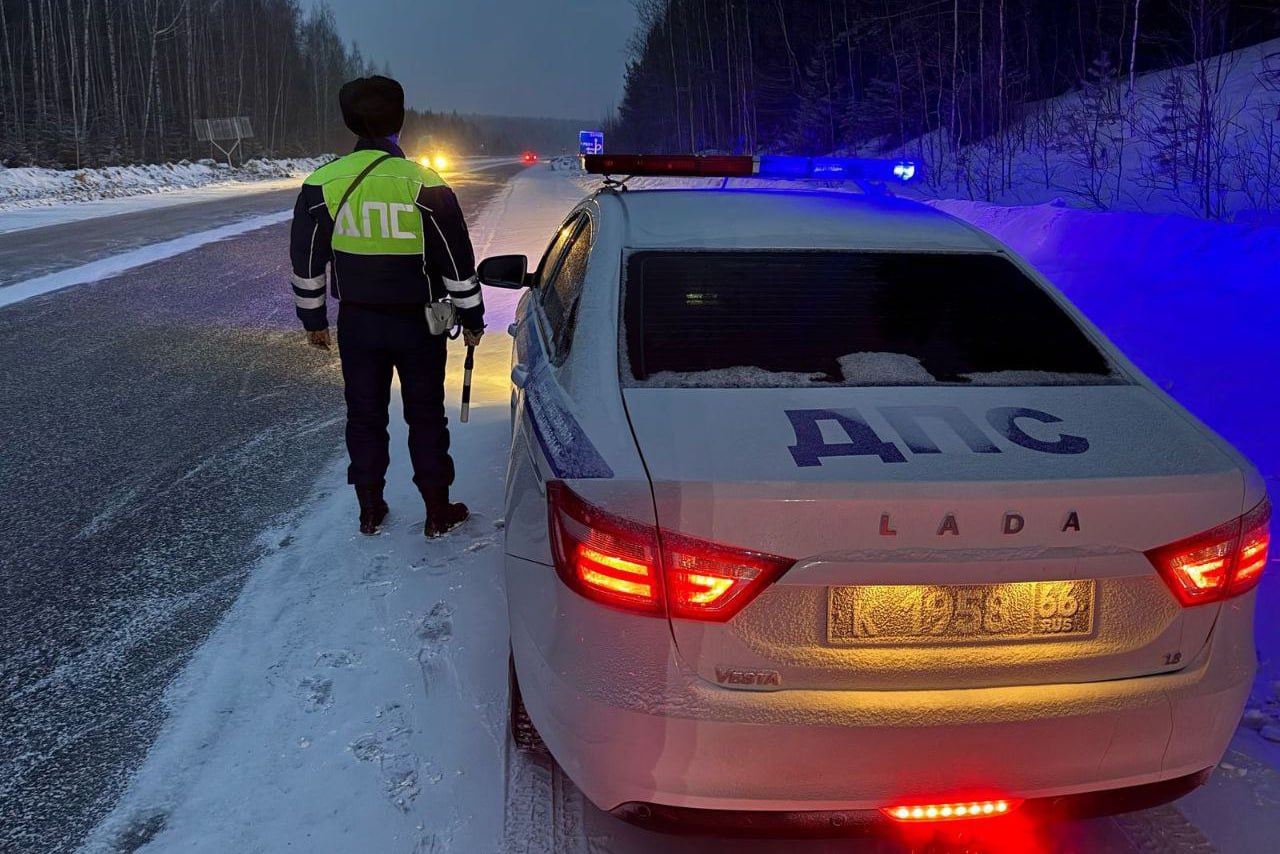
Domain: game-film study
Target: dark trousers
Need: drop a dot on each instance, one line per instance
(372, 342)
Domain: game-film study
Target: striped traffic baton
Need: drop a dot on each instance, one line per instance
(466, 383)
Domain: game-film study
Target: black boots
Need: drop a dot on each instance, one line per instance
(373, 509)
(442, 517)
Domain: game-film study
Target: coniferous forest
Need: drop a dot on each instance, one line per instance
(951, 80)
(104, 82)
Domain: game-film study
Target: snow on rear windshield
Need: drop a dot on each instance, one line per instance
(801, 319)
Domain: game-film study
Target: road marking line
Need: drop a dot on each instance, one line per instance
(114, 265)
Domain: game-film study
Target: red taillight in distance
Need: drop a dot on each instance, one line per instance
(1220, 563)
(638, 568)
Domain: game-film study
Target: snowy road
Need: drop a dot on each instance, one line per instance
(35, 252)
(39, 240)
(155, 424)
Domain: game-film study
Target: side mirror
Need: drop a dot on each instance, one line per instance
(505, 271)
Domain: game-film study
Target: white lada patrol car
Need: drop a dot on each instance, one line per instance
(827, 510)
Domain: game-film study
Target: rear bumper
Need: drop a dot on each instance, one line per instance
(631, 725)
(839, 823)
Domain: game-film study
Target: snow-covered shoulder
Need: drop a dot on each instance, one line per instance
(354, 697)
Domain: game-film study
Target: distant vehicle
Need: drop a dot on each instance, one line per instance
(529, 157)
(438, 161)
(829, 511)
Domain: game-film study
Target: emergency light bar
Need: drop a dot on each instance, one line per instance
(764, 166)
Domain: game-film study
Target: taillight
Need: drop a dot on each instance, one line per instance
(634, 566)
(1223, 562)
(603, 556)
(951, 812)
(710, 582)
(1255, 540)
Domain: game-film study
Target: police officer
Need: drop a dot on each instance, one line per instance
(393, 239)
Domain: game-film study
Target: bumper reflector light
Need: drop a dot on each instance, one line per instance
(912, 813)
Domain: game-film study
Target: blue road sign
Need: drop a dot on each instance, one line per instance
(590, 142)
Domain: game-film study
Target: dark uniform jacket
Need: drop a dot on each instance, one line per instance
(400, 239)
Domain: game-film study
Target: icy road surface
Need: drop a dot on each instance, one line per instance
(33, 252)
(354, 698)
(155, 426)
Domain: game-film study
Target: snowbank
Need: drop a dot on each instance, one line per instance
(32, 186)
(1111, 148)
(354, 697)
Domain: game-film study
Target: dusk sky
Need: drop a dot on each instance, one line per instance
(561, 58)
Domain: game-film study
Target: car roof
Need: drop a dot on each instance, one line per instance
(788, 219)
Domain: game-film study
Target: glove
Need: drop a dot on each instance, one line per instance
(320, 339)
(471, 337)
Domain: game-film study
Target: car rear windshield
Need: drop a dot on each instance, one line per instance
(781, 319)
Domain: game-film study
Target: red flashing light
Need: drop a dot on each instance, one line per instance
(1220, 563)
(675, 166)
(960, 811)
(635, 567)
(529, 157)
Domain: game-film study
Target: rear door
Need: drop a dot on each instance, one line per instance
(965, 482)
(542, 343)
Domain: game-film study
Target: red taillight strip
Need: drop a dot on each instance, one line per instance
(604, 557)
(1255, 543)
(708, 581)
(1222, 562)
(633, 566)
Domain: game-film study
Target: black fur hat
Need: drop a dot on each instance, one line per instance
(373, 107)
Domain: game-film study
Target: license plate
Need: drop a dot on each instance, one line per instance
(967, 613)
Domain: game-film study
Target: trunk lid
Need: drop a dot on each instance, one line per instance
(943, 536)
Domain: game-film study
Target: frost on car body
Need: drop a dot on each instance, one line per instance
(927, 491)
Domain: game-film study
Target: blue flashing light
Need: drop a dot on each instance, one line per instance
(836, 168)
(776, 166)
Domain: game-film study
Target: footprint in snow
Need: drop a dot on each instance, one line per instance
(315, 693)
(444, 564)
(367, 748)
(436, 627)
(434, 567)
(338, 658)
(141, 829)
(400, 779)
(379, 571)
(398, 765)
(478, 546)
